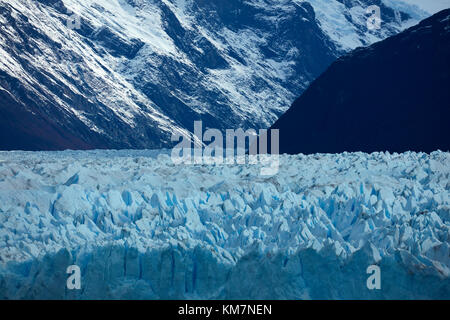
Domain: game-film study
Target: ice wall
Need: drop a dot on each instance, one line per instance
(140, 227)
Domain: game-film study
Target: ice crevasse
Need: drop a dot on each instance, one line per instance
(141, 227)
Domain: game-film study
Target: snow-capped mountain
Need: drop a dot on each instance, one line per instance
(128, 73)
(395, 97)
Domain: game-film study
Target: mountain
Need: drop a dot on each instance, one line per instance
(391, 96)
(128, 73)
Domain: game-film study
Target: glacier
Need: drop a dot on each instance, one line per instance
(141, 227)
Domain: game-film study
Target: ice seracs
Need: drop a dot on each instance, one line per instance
(140, 226)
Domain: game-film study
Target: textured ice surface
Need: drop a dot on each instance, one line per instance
(141, 227)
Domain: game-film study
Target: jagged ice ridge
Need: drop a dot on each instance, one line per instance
(141, 227)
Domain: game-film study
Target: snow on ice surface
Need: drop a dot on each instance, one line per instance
(141, 227)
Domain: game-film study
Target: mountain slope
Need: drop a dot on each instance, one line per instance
(390, 96)
(134, 71)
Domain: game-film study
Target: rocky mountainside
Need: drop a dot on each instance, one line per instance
(128, 73)
(393, 95)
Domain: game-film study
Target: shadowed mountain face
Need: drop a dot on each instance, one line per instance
(132, 72)
(392, 96)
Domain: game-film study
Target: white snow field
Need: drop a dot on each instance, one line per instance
(140, 227)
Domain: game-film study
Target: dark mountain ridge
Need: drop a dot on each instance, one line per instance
(391, 96)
